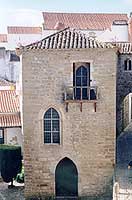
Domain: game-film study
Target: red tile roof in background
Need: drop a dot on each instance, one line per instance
(9, 108)
(10, 120)
(3, 38)
(9, 102)
(92, 21)
(24, 30)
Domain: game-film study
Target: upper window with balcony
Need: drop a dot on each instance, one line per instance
(81, 89)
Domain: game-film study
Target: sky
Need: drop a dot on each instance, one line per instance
(28, 12)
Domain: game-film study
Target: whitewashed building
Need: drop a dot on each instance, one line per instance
(10, 121)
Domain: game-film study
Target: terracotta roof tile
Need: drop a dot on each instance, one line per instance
(67, 39)
(10, 120)
(124, 48)
(9, 102)
(91, 21)
(24, 30)
(3, 38)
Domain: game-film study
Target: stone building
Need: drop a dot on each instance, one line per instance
(124, 86)
(69, 116)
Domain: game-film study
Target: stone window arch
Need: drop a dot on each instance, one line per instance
(127, 65)
(51, 127)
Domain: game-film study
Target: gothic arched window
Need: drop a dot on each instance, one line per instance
(127, 65)
(51, 126)
(81, 82)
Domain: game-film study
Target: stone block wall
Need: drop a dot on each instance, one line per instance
(124, 87)
(87, 137)
(126, 111)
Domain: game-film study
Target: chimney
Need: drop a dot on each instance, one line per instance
(59, 26)
(120, 30)
(130, 27)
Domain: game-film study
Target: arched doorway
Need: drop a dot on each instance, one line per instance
(66, 178)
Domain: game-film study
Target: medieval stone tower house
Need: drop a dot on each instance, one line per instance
(69, 116)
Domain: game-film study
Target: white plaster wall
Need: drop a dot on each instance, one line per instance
(14, 136)
(14, 71)
(4, 57)
(8, 70)
(120, 32)
(14, 40)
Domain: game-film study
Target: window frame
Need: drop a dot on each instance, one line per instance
(83, 66)
(2, 138)
(51, 131)
(127, 65)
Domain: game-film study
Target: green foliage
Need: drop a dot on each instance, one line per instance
(11, 162)
(20, 176)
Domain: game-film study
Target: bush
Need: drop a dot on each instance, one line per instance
(11, 162)
(20, 176)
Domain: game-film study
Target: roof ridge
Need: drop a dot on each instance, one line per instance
(69, 39)
(25, 26)
(84, 13)
(47, 37)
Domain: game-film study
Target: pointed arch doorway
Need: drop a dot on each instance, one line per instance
(66, 178)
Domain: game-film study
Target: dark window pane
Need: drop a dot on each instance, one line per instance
(47, 137)
(55, 125)
(56, 137)
(78, 81)
(47, 125)
(55, 114)
(125, 65)
(130, 67)
(48, 114)
(84, 93)
(84, 71)
(78, 72)
(84, 81)
(78, 93)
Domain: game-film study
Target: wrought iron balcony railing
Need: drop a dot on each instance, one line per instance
(81, 93)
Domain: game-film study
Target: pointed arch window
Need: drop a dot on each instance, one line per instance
(81, 82)
(127, 65)
(51, 126)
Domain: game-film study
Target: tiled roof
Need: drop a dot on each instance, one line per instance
(67, 39)
(9, 102)
(24, 30)
(91, 21)
(124, 48)
(3, 38)
(10, 120)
